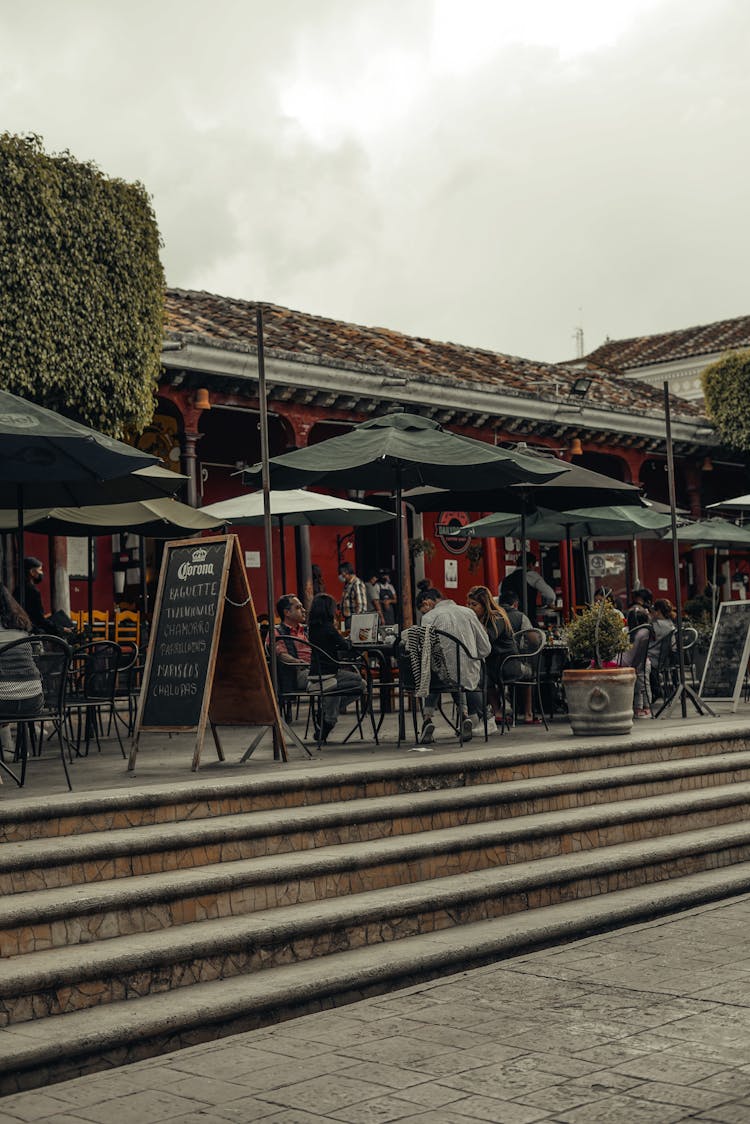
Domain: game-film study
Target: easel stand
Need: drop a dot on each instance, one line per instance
(206, 664)
(683, 692)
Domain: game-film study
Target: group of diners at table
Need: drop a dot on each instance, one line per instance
(487, 647)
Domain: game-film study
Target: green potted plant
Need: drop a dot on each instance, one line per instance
(599, 693)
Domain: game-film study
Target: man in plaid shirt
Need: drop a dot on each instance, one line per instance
(354, 597)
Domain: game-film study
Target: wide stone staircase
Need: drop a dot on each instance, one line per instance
(135, 923)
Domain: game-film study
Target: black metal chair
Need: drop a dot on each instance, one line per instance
(553, 659)
(530, 642)
(33, 659)
(454, 654)
(92, 687)
(127, 687)
(323, 686)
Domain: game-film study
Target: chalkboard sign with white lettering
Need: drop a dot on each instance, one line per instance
(724, 673)
(183, 636)
(205, 662)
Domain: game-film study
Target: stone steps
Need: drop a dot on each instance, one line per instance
(52, 982)
(75, 814)
(29, 865)
(47, 1050)
(63, 916)
(136, 922)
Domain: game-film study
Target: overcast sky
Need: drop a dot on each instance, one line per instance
(489, 172)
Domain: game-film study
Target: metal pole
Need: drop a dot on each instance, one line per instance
(282, 549)
(524, 589)
(278, 751)
(20, 570)
(675, 547)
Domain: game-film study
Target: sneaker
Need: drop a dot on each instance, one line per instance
(491, 724)
(428, 729)
(467, 728)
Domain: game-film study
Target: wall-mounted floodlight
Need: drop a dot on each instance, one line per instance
(580, 388)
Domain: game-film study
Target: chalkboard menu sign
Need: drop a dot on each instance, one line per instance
(727, 658)
(205, 661)
(184, 636)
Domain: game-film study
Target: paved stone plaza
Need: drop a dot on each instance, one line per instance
(646, 1023)
(649, 1023)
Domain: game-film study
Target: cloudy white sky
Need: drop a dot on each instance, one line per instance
(490, 172)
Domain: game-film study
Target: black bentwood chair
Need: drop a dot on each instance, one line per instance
(94, 670)
(33, 683)
(451, 652)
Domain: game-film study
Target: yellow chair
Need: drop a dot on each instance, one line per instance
(128, 627)
(99, 624)
(75, 616)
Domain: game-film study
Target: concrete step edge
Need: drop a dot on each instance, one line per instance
(80, 805)
(46, 906)
(49, 968)
(151, 838)
(28, 1045)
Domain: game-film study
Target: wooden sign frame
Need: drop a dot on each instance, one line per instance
(237, 689)
(739, 608)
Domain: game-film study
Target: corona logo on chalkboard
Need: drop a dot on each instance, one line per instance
(447, 528)
(197, 566)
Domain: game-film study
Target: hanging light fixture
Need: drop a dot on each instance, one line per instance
(202, 400)
(575, 448)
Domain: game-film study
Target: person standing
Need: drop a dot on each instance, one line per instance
(535, 584)
(354, 597)
(372, 590)
(388, 598)
(33, 577)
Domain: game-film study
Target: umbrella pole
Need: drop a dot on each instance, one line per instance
(282, 549)
(569, 560)
(683, 691)
(144, 583)
(90, 572)
(713, 587)
(400, 609)
(524, 588)
(20, 574)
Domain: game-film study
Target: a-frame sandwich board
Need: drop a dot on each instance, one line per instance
(205, 660)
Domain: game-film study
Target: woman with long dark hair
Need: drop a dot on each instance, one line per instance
(329, 647)
(500, 635)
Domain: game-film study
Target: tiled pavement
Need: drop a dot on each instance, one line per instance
(647, 1024)
(650, 1023)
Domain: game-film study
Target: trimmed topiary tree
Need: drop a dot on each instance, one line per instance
(81, 314)
(726, 388)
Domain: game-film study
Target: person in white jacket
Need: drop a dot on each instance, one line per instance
(459, 621)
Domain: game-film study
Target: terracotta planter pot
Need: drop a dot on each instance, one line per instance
(600, 700)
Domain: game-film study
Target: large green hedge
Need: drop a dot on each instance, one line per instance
(81, 288)
(726, 388)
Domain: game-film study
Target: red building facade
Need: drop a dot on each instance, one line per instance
(323, 376)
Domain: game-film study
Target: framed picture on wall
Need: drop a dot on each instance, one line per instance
(77, 562)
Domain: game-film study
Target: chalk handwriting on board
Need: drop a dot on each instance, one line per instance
(727, 658)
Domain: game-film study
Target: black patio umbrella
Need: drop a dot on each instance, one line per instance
(48, 460)
(579, 487)
(402, 450)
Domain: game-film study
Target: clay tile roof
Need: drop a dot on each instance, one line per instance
(226, 322)
(642, 351)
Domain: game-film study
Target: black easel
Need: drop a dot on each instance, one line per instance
(683, 692)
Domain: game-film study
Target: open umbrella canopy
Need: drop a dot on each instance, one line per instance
(296, 508)
(402, 450)
(156, 519)
(576, 487)
(737, 503)
(544, 525)
(713, 532)
(54, 460)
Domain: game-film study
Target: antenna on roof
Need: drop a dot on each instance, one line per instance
(578, 335)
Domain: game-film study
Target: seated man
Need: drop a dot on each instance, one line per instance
(292, 648)
(458, 621)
